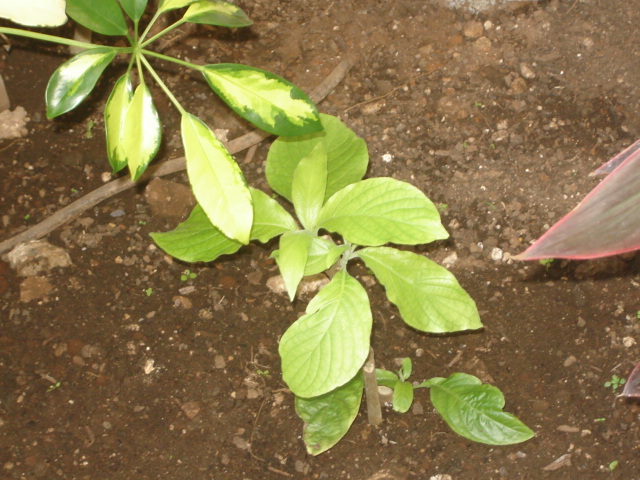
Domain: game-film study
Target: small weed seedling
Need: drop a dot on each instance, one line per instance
(615, 382)
(344, 219)
(132, 124)
(188, 275)
(546, 262)
(148, 292)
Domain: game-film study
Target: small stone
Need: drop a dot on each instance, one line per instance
(568, 429)
(183, 302)
(169, 199)
(417, 408)
(582, 322)
(301, 467)
(497, 254)
(473, 29)
(570, 361)
(35, 288)
(218, 361)
(483, 44)
(526, 71)
(241, 443)
(450, 260)
(78, 360)
(34, 258)
(191, 409)
(628, 341)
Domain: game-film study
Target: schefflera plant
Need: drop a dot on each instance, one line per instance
(132, 124)
(324, 351)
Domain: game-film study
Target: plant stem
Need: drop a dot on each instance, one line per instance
(162, 33)
(193, 66)
(374, 410)
(162, 85)
(60, 40)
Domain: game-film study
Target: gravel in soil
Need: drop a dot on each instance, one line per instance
(117, 366)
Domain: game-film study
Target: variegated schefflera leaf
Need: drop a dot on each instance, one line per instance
(134, 8)
(268, 101)
(34, 13)
(115, 112)
(74, 80)
(216, 180)
(218, 13)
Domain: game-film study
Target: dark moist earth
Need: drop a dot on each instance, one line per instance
(115, 368)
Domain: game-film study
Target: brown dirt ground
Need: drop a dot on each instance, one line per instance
(499, 115)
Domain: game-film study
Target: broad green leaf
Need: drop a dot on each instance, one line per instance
(292, 258)
(382, 210)
(402, 396)
(323, 253)
(347, 157)
(103, 16)
(309, 186)
(74, 80)
(475, 411)
(217, 12)
(326, 347)
(328, 417)
(386, 378)
(196, 239)
(269, 218)
(428, 296)
(166, 5)
(141, 132)
(34, 13)
(217, 181)
(264, 99)
(115, 112)
(134, 8)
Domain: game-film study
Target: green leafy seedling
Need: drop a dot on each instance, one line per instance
(53, 387)
(402, 389)
(323, 352)
(615, 382)
(148, 292)
(546, 262)
(188, 275)
(132, 123)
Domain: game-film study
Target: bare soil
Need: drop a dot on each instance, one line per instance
(115, 368)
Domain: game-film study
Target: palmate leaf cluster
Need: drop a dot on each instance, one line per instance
(322, 352)
(132, 124)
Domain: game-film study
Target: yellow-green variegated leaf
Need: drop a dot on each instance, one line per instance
(264, 99)
(216, 179)
(269, 218)
(326, 347)
(217, 12)
(34, 13)
(166, 5)
(141, 132)
(75, 79)
(292, 258)
(114, 115)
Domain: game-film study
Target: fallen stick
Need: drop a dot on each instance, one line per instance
(75, 209)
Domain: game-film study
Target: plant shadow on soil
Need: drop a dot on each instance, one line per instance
(499, 115)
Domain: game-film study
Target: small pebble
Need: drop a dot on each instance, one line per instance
(570, 361)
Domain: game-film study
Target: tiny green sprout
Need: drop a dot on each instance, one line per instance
(187, 275)
(148, 292)
(442, 207)
(615, 382)
(638, 314)
(613, 465)
(599, 420)
(141, 222)
(89, 133)
(54, 387)
(546, 262)
(479, 104)
(74, 191)
(491, 205)
(465, 144)
(27, 216)
(262, 373)
(492, 146)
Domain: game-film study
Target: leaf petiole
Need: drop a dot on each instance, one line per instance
(60, 40)
(162, 85)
